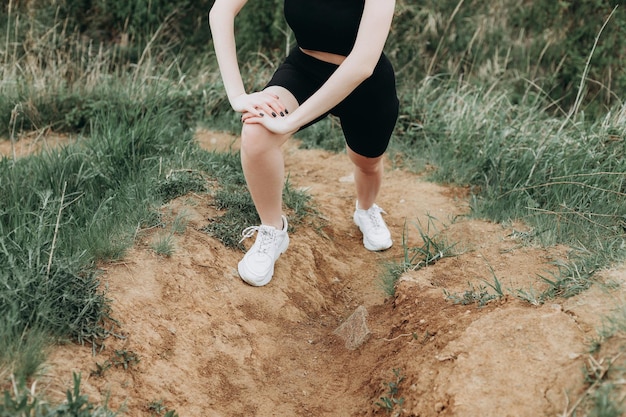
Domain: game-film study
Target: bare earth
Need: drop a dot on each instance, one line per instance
(210, 345)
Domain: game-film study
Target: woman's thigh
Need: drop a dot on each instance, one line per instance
(284, 96)
(369, 114)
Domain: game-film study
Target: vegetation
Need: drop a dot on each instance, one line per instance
(522, 103)
(390, 401)
(434, 248)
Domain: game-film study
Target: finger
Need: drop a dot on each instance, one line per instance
(278, 107)
(256, 110)
(253, 120)
(246, 115)
(274, 107)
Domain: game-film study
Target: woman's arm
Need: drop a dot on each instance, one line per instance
(356, 68)
(222, 22)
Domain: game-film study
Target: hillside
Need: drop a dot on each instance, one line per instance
(194, 338)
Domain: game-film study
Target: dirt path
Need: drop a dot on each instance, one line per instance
(209, 345)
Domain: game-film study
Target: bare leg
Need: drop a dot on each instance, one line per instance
(263, 164)
(368, 177)
(264, 169)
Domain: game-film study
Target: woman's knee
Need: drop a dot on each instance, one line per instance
(367, 165)
(256, 139)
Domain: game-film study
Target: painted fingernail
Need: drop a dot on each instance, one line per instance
(282, 114)
(273, 114)
(261, 114)
(286, 111)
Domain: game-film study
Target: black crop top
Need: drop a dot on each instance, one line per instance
(325, 25)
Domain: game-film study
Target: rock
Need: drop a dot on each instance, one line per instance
(354, 331)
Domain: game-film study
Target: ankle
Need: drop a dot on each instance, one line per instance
(363, 207)
(278, 225)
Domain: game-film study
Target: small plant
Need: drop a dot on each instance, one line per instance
(100, 369)
(164, 245)
(181, 182)
(474, 295)
(23, 401)
(125, 359)
(434, 249)
(158, 409)
(390, 401)
(572, 279)
(530, 296)
(234, 198)
(496, 286)
(120, 358)
(179, 224)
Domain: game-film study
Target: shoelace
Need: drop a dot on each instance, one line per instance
(266, 236)
(374, 215)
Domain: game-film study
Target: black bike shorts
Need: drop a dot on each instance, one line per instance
(368, 115)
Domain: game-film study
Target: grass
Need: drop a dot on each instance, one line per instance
(434, 248)
(24, 402)
(63, 211)
(231, 197)
(566, 180)
(158, 409)
(163, 245)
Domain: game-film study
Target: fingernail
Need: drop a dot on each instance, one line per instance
(282, 114)
(286, 111)
(261, 114)
(273, 114)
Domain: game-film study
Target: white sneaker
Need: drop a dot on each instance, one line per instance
(376, 236)
(257, 266)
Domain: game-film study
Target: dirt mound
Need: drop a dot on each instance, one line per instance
(200, 341)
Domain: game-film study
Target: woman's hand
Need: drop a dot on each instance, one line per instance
(259, 104)
(278, 124)
(264, 108)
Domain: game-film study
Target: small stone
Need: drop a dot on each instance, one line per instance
(354, 331)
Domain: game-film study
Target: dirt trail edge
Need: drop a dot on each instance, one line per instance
(201, 342)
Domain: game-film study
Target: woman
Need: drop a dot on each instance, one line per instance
(337, 68)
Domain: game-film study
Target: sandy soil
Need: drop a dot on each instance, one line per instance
(209, 345)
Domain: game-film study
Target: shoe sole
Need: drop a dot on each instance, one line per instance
(374, 248)
(370, 246)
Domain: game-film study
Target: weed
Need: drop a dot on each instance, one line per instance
(434, 248)
(120, 358)
(163, 245)
(181, 182)
(390, 401)
(158, 409)
(179, 224)
(607, 401)
(233, 197)
(530, 296)
(473, 295)
(572, 279)
(100, 369)
(125, 359)
(25, 402)
(496, 286)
